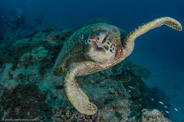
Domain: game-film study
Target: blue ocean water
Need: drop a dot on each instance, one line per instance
(161, 50)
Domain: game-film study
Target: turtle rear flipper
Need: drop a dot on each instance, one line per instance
(128, 43)
(75, 94)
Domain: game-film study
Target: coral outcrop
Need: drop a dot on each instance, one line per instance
(153, 116)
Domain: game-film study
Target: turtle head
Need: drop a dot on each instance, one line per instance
(99, 47)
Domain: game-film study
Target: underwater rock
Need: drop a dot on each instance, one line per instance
(24, 102)
(7, 79)
(117, 111)
(72, 115)
(28, 89)
(153, 116)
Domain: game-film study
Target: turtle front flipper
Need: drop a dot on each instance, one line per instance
(128, 43)
(75, 94)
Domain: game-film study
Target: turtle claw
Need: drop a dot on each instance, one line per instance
(90, 109)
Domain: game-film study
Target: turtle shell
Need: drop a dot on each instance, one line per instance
(73, 50)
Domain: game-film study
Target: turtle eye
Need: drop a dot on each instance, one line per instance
(89, 41)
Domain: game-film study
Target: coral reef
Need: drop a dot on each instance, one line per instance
(29, 90)
(73, 116)
(153, 116)
(117, 111)
(24, 101)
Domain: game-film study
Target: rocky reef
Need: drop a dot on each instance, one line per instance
(29, 90)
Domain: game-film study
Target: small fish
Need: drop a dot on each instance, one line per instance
(165, 106)
(167, 112)
(161, 102)
(152, 99)
(131, 87)
(176, 109)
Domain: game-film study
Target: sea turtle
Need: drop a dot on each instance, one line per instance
(94, 48)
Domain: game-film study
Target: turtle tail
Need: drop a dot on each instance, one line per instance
(76, 96)
(128, 43)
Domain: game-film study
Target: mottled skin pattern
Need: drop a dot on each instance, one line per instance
(94, 48)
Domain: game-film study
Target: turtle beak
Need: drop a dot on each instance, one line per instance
(92, 47)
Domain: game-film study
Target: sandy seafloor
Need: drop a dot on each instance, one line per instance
(166, 75)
